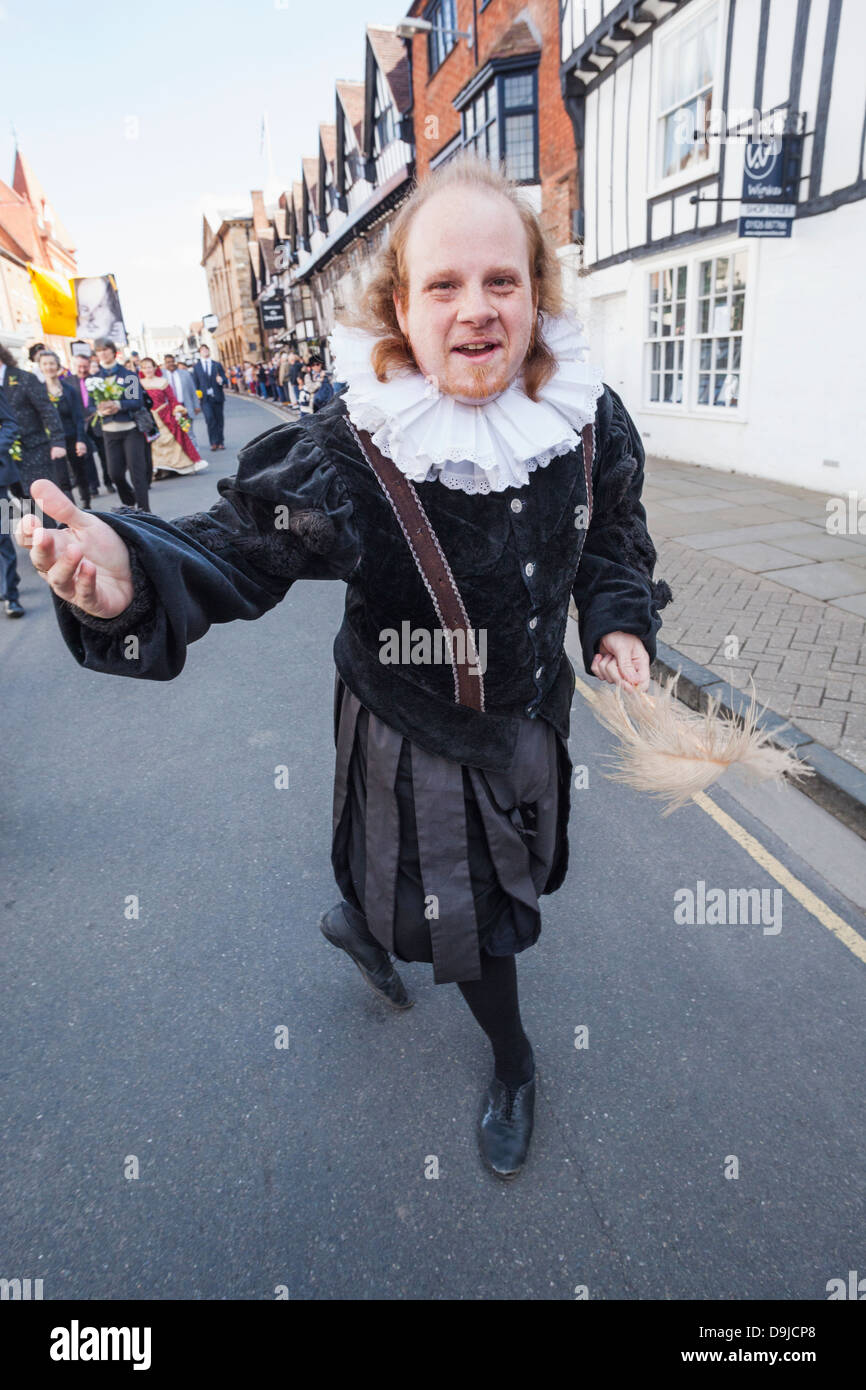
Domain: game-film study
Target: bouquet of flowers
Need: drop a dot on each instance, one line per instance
(183, 420)
(104, 388)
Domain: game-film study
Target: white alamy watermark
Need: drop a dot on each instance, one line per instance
(423, 646)
(846, 516)
(20, 1290)
(709, 907)
(13, 508)
(853, 1288)
(77, 1343)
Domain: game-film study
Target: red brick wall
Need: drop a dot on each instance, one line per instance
(436, 122)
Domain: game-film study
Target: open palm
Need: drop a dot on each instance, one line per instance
(87, 564)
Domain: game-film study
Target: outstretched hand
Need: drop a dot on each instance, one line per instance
(622, 659)
(87, 564)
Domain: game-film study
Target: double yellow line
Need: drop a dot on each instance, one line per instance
(761, 855)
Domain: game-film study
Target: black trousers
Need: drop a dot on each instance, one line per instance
(214, 411)
(96, 440)
(9, 577)
(78, 473)
(125, 450)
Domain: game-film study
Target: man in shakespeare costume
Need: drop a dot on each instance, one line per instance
(476, 468)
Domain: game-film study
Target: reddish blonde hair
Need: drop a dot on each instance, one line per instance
(376, 313)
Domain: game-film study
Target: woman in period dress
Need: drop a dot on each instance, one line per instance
(173, 451)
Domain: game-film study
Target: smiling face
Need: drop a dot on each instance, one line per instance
(48, 366)
(467, 264)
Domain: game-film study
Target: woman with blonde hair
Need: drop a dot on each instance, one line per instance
(474, 476)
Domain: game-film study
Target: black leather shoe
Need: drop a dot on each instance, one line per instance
(13, 608)
(506, 1128)
(371, 959)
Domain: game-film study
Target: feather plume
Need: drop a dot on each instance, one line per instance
(671, 751)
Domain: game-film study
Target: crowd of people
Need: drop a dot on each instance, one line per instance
(119, 423)
(116, 422)
(287, 378)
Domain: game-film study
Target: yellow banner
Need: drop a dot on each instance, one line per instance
(57, 313)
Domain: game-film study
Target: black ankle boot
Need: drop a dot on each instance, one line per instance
(506, 1128)
(371, 959)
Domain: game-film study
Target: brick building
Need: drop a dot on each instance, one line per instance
(30, 230)
(226, 261)
(499, 94)
(424, 96)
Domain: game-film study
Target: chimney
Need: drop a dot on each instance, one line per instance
(260, 217)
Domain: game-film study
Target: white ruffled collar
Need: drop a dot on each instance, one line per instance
(477, 448)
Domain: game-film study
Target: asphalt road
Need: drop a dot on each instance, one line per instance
(304, 1166)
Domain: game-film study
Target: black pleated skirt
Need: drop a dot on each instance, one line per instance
(445, 860)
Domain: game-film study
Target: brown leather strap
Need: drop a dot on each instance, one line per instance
(587, 434)
(434, 570)
(432, 564)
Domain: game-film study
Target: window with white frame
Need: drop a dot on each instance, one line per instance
(695, 312)
(720, 311)
(481, 126)
(666, 334)
(687, 59)
(443, 16)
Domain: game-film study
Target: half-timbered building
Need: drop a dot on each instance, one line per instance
(732, 351)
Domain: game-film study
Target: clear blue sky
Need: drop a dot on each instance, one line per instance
(196, 77)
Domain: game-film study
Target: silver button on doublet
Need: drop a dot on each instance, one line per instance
(516, 504)
(538, 673)
(530, 568)
(533, 623)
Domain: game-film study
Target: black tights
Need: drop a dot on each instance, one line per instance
(493, 1001)
(494, 1004)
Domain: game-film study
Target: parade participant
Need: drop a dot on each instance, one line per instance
(173, 450)
(181, 382)
(84, 367)
(475, 475)
(10, 580)
(125, 447)
(43, 448)
(211, 380)
(64, 395)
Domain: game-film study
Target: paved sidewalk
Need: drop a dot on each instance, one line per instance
(754, 561)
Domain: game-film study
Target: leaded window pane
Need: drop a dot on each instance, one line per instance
(518, 90)
(520, 147)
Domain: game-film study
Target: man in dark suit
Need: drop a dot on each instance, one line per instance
(9, 577)
(212, 381)
(82, 369)
(42, 443)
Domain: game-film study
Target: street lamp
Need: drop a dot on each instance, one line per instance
(408, 28)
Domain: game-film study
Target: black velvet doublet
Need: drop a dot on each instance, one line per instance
(305, 504)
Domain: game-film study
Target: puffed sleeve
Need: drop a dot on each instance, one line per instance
(285, 515)
(614, 590)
